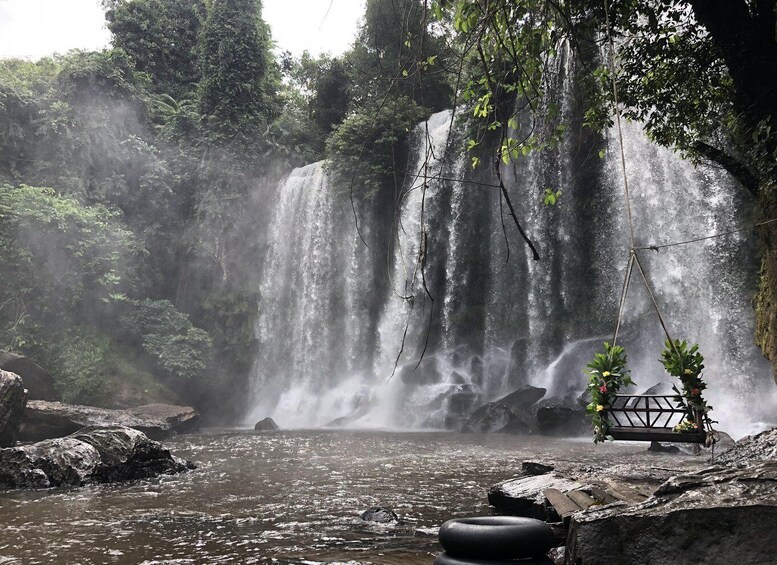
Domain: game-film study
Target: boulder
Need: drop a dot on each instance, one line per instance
(562, 416)
(524, 496)
(93, 455)
(427, 373)
(46, 420)
(13, 398)
(523, 398)
(266, 425)
(716, 516)
(38, 382)
(380, 515)
(494, 417)
(533, 468)
(761, 447)
(127, 454)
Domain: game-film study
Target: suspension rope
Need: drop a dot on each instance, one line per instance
(655, 304)
(706, 237)
(618, 121)
(626, 282)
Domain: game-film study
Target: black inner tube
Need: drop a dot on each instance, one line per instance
(496, 537)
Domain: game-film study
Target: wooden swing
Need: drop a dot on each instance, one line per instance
(644, 417)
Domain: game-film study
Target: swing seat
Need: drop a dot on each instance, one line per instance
(651, 417)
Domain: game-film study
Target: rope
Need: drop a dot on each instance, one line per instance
(618, 121)
(697, 239)
(626, 282)
(655, 304)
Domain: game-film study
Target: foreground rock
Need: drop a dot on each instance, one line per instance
(524, 496)
(48, 420)
(38, 382)
(13, 398)
(761, 447)
(716, 516)
(93, 455)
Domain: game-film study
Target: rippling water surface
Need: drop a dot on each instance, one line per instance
(285, 497)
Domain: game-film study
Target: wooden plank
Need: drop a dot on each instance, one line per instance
(581, 499)
(603, 496)
(563, 505)
(624, 492)
(655, 434)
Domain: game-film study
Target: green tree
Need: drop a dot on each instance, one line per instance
(239, 76)
(161, 37)
(398, 53)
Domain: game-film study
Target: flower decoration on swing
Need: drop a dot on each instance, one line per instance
(606, 375)
(687, 364)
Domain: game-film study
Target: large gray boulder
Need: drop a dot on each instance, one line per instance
(46, 420)
(266, 425)
(38, 382)
(717, 516)
(13, 398)
(495, 418)
(562, 416)
(93, 455)
(522, 399)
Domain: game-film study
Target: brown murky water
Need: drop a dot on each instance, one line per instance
(288, 497)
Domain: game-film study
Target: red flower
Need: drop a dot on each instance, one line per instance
(603, 388)
(695, 392)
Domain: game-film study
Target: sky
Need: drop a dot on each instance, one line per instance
(36, 28)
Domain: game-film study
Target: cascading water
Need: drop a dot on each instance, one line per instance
(487, 325)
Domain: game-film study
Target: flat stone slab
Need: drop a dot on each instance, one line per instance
(48, 420)
(524, 496)
(715, 516)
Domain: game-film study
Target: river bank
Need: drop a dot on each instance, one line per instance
(292, 496)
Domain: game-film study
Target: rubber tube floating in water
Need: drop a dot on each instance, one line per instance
(490, 538)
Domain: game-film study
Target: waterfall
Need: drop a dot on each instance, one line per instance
(485, 324)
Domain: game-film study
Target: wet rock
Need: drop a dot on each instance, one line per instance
(495, 418)
(716, 516)
(92, 455)
(657, 447)
(457, 378)
(38, 382)
(523, 398)
(534, 468)
(127, 454)
(427, 373)
(49, 463)
(562, 416)
(524, 496)
(46, 420)
(380, 515)
(751, 448)
(266, 425)
(13, 398)
(178, 419)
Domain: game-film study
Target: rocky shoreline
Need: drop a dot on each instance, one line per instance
(694, 512)
(78, 445)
